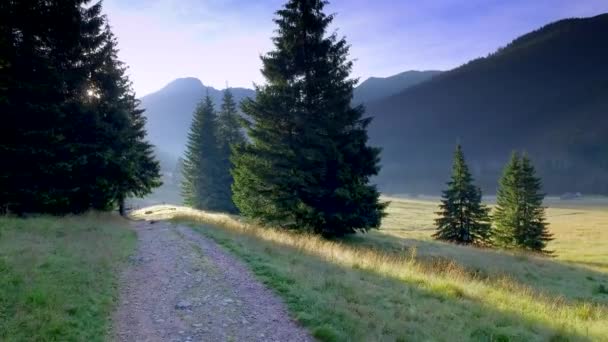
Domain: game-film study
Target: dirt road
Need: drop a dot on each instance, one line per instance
(181, 286)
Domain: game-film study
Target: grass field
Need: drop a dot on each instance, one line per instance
(399, 285)
(58, 276)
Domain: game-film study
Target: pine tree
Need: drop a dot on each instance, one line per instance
(41, 147)
(507, 215)
(463, 218)
(67, 112)
(519, 215)
(308, 165)
(229, 136)
(129, 168)
(200, 188)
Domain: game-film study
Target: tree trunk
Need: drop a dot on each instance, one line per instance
(121, 207)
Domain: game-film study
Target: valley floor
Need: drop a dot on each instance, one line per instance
(399, 285)
(187, 275)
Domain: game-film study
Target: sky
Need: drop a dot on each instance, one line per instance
(221, 41)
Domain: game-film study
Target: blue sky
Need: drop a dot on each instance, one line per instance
(220, 41)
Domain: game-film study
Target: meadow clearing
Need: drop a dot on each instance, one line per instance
(397, 284)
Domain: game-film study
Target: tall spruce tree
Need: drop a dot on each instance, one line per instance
(519, 216)
(56, 110)
(308, 165)
(41, 147)
(132, 170)
(229, 136)
(200, 188)
(462, 217)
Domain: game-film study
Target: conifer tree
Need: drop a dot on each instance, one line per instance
(69, 113)
(507, 215)
(200, 188)
(519, 216)
(308, 165)
(127, 166)
(229, 136)
(463, 218)
(43, 147)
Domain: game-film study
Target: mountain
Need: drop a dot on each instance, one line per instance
(375, 88)
(545, 93)
(169, 111)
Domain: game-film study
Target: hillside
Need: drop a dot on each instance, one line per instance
(169, 111)
(546, 93)
(376, 88)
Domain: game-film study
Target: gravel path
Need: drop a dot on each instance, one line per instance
(181, 286)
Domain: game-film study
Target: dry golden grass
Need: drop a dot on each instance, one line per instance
(472, 294)
(580, 230)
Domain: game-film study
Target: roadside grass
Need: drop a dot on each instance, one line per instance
(577, 271)
(58, 276)
(348, 290)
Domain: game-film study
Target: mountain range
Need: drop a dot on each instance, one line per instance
(545, 93)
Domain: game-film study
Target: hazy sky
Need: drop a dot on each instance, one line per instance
(220, 41)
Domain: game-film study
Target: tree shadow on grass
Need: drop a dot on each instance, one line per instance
(555, 278)
(339, 303)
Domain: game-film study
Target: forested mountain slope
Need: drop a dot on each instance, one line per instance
(545, 93)
(375, 88)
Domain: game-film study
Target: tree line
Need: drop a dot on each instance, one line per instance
(518, 218)
(72, 136)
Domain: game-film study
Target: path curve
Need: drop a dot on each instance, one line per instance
(181, 286)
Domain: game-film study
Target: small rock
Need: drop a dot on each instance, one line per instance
(197, 325)
(183, 305)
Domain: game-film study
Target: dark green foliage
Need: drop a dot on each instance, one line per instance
(463, 218)
(201, 166)
(546, 93)
(308, 164)
(72, 138)
(519, 216)
(229, 136)
(506, 215)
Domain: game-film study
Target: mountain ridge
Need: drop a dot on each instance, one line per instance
(545, 92)
(169, 109)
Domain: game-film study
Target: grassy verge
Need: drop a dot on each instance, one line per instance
(344, 291)
(58, 276)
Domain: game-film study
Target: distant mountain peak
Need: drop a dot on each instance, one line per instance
(184, 84)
